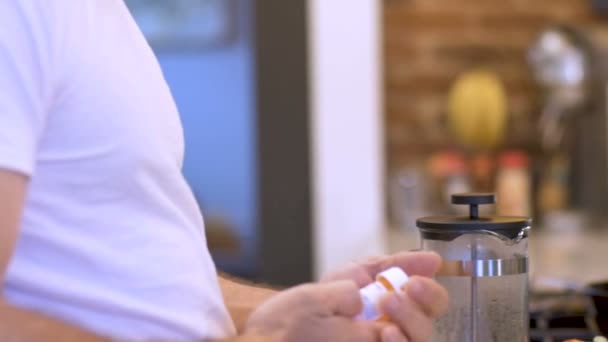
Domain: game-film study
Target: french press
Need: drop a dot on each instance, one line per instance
(485, 271)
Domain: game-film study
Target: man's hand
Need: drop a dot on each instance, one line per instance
(318, 312)
(364, 272)
(422, 299)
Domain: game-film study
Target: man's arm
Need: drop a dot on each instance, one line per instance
(17, 324)
(242, 298)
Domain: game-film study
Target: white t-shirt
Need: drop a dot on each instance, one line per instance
(111, 237)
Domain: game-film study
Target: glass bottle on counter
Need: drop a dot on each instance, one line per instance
(513, 184)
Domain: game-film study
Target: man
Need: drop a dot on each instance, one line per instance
(100, 236)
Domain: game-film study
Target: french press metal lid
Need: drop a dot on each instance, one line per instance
(448, 228)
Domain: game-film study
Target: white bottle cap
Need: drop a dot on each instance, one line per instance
(371, 295)
(394, 276)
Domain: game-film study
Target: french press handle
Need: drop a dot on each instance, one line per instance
(474, 200)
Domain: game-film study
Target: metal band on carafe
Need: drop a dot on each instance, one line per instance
(484, 268)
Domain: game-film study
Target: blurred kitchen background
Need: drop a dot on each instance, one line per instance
(318, 131)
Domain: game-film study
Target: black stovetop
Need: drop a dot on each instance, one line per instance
(556, 317)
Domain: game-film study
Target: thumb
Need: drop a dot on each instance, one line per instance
(341, 297)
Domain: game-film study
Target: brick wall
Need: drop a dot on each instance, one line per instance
(427, 43)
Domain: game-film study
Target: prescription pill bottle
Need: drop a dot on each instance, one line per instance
(391, 280)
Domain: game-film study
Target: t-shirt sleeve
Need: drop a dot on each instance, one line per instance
(24, 82)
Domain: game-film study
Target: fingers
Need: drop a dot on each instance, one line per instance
(376, 331)
(340, 297)
(391, 333)
(352, 271)
(413, 263)
(414, 309)
(431, 297)
(408, 316)
(363, 272)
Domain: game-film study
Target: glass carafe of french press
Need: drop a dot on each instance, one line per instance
(485, 271)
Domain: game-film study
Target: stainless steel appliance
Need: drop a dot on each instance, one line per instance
(571, 65)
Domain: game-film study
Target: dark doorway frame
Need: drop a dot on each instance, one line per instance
(285, 219)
